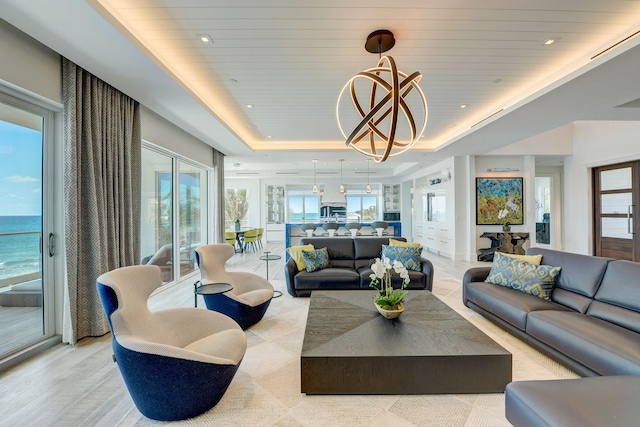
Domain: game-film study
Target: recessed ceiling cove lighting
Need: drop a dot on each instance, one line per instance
(205, 38)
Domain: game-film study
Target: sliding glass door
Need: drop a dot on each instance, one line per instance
(174, 212)
(24, 252)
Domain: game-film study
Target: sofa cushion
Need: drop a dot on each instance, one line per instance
(341, 252)
(531, 259)
(328, 278)
(295, 252)
(408, 256)
(537, 280)
(316, 259)
(618, 297)
(580, 273)
(586, 402)
(417, 279)
(394, 242)
(605, 348)
(508, 304)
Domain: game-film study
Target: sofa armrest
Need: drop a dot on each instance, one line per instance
(427, 270)
(476, 274)
(290, 270)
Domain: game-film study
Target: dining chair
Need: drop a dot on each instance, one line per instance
(231, 238)
(250, 239)
(251, 295)
(176, 363)
(260, 234)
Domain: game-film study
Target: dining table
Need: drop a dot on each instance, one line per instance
(240, 236)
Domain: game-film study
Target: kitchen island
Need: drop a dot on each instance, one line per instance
(293, 233)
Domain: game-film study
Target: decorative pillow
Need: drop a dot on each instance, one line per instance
(295, 252)
(316, 259)
(531, 259)
(409, 257)
(394, 242)
(537, 280)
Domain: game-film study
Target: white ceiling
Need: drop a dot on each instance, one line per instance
(290, 59)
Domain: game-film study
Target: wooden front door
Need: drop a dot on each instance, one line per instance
(616, 202)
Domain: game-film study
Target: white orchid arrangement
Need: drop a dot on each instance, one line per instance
(387, 297)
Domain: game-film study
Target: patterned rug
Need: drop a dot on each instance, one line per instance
(266, 389)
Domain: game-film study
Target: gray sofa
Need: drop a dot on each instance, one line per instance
(350, 261)
(591, 325)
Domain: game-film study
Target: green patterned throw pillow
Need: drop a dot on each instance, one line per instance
(316, 259)
(409, 257)
(537, 280)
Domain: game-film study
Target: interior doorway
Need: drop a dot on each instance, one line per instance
(616, 196)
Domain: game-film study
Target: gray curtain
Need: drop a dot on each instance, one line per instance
(218, 197)
(102, 185)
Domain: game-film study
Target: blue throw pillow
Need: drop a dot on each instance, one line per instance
(409, 257)
(316, 259)
(537, 280)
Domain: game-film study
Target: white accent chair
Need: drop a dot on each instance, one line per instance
(176, 363)
(251, 295)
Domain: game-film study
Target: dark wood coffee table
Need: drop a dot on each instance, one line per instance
(349, 348)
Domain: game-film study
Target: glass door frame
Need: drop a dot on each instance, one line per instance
(51, 211)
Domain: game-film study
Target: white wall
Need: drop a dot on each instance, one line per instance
(161, 132)
(595, 144)
(29, 65)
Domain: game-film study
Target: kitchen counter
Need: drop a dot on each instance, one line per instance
(293, 233)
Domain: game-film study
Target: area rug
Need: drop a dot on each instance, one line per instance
(266, 389)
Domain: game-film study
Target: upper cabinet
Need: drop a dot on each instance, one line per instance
(275, 204)
(391, 195)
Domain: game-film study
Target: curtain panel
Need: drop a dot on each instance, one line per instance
(102, 192)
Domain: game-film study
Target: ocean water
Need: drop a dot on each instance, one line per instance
(19, 253)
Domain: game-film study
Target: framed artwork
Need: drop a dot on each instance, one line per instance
(499, 200)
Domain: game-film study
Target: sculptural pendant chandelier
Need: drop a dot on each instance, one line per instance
(389, 94)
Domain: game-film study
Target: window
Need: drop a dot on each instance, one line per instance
(236, 207)
(193, 207)
(303, 206)
(362, 207)
(159, 231)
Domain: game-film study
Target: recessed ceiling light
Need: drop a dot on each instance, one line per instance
(463, 106)
(269, 137)
(252, 127)
(233, 80)
(550, 41)
(205, 38)
(497, 81)
(249, 105)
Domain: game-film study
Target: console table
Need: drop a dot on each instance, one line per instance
(508, 243)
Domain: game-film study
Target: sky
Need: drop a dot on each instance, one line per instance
(20, 170)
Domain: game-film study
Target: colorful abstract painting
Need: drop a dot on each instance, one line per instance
(499, 200)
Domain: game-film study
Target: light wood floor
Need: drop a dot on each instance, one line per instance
(80, 385)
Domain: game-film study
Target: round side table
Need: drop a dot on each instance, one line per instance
(209, 289)
(268, 257)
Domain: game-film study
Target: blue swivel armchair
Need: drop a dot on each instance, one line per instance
(251, 295)
(176, 363)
